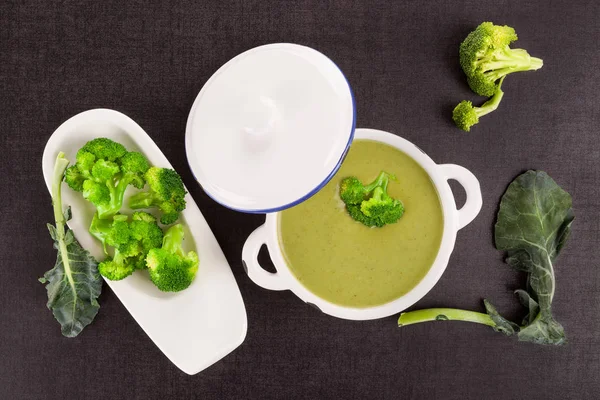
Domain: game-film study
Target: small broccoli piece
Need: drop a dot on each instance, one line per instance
(133, 166)
(120, 233)
(128, 250)
(131, 240)
(96, 193)
(382, 208)
(166, 192)
(371, 205)
(84, 163)
(114, 232)
(352, 191)
(171, 270)
(145, 229)
(485, 57)
(103, 171)
(118, 267)
(359, 216)
(104, 148)
(74, 178)
(465, 115)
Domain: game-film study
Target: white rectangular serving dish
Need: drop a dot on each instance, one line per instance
(193, 328)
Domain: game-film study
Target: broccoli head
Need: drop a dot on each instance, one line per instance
(104, 149)
(166, 192)
(371, 205)
(103, 171)
(352, 191)
(145, 230)
(382, 208)
(131, 242)
(465, 115)
(172, 270)
(485, 57)
(118, 267)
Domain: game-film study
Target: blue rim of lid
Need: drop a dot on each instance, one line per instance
(318, 187)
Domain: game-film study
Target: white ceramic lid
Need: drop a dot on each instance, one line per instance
(270, 128)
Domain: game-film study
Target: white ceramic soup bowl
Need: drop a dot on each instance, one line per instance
(454, 220)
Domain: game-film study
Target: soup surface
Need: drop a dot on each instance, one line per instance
(347, 263)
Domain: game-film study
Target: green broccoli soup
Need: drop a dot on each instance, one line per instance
(350, 264)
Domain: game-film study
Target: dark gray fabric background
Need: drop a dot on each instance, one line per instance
(59, 58)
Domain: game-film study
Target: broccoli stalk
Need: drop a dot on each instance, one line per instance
(166, 193)
(485, 57)
(465, 115)
(100, 228)
(444, 314)
(171, 270)
(491, 318)
(377, 210)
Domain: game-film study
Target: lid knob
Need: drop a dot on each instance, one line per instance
(260, 117)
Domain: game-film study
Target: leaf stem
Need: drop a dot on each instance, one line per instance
(60, 166)
(443, 314)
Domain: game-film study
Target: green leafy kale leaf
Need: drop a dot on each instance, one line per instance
(74, 283)
(533, 225)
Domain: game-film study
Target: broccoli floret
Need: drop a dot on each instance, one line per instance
(382, 208)
(104, 170)
(113, 232)
(465, 115)
(145, 229)
(166, 192)
(371, 205)
(131, 240)
(170, 268)
(118, 267)
(120, 233)
(96, 193)
(104, 148)
(74, 178)
(133, 166)
(128, 251)
(352, 191)
(485, 57)
(357, 215)
(102, 173)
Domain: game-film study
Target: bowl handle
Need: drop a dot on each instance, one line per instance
(265, 279)
(472, 206)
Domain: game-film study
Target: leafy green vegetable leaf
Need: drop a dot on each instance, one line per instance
(532, 305)
(73, 294)
(534, 223)
(74, 284)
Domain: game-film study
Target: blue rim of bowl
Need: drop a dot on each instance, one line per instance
(320, 185)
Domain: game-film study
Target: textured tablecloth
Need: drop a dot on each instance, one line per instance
(58, 58)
